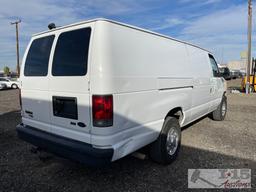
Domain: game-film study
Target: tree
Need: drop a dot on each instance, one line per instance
(6, 70)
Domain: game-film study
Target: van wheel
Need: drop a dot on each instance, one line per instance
(166, 148)
(220, 113)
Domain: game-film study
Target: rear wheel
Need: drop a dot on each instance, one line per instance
(220, 113)
(166, 148)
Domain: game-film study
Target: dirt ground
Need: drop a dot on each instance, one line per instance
(205, 144)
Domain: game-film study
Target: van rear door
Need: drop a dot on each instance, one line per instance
(69, 83)
(35, 83)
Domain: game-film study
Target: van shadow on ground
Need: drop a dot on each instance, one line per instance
(22, 171)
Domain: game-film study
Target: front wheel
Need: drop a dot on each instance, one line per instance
(220, 113)
(166, 148)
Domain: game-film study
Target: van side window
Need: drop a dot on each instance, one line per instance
(38, 57)
(71, 53)
(214, 65)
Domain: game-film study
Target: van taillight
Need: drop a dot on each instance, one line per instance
(102, 110)
(20, 97)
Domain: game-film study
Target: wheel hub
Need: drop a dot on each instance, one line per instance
(172, 141)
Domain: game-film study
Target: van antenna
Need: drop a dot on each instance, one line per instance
(51, 26)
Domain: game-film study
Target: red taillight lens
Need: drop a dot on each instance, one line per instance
(102, 110)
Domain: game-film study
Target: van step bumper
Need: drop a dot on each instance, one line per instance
(65, 147)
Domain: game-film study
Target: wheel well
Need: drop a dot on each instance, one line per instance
(176, 112)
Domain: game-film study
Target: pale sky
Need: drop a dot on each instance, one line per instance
(217, 25)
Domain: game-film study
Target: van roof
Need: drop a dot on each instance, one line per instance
(123, 24)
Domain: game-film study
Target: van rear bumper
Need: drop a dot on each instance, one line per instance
(65, 147)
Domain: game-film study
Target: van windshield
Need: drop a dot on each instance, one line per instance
(38, 57)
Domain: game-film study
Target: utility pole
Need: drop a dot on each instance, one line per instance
(16, 23)
(249, 46)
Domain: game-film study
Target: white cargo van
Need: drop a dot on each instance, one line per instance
(98, 90)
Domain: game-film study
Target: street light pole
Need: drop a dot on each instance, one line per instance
(248, 71)
(16, 23)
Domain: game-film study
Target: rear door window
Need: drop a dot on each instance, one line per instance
(71, 53)
(38, 57)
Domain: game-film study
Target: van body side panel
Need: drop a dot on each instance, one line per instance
(147, 75)
(201, 72)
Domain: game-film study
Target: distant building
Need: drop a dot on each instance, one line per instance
(237, 65)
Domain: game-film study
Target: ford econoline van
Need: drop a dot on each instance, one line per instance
(98, 90)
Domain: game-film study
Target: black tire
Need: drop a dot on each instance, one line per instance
(14, 86)
(158, 149)
(220, 113)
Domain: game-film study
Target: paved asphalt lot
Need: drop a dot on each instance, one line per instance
(205, 144)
